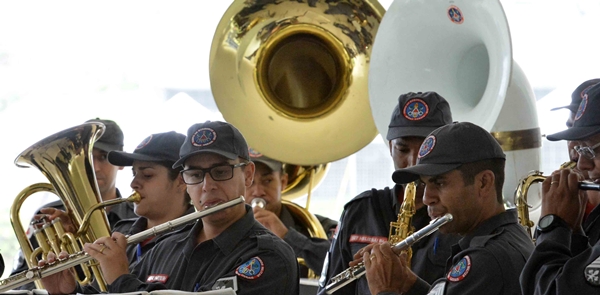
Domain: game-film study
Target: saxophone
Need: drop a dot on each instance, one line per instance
(403, 228)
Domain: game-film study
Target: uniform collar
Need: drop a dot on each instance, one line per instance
(490, 226)
(228, 239)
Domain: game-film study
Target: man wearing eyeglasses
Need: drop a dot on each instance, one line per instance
(228, 248)
(563, 262)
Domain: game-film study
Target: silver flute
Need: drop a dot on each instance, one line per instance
(353, 273)
(72, 260)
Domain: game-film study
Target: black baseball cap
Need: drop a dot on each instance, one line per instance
(449, 147)
(159, 147)
(586, 121)
(112, 139)
(256, 156)
(417, 114)
(213, 137)
(578, 94)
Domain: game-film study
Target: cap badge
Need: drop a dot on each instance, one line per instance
(251, 269)
(415, 109)
(585, 91)
(427, 146)
(582, 107)
(592, 272)
(144, 142)
(204, 137)
(460, 271)
(254, 153)
(455, 15)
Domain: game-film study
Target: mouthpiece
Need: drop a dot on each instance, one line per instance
(258, 202)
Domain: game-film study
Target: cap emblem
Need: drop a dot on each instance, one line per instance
(582, 107)
(144, 142)
(254, 153)
(415, 109)
(455, 15)
(427, 146)
(204, 137)
(460, 270)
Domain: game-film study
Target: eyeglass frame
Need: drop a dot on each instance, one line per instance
(582, 150)
(205, 170)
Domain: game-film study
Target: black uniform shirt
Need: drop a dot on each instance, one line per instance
(591, 225)
(133, 226)
(487, 261)
(312, 249)
(365, 220)
(557, 266)
(245, 254)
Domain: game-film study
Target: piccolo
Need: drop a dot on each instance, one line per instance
(353, 273)
(72, 260)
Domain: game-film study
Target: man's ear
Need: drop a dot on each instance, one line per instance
(249, 173)
(284, 180)
(486, 182)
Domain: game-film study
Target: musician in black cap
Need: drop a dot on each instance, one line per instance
(269, 182)
(161, 188)
(462, 167)
(106, 176)
(563, 261)
(366, 218)
(228, 248)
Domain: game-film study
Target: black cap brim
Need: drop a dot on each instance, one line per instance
(413, 173)
(181, 160)
(119, 158)
(108, 147)
(574, 133)
(421, 131)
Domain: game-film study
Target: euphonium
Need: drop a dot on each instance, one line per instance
(523, 188)
(403, 228)
(65, 159)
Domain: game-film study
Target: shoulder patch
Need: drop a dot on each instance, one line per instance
(251, 269)
(592, 273)
(460, 271)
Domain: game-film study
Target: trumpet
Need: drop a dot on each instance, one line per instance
(534, 177)
(72, 260)
(353, 273)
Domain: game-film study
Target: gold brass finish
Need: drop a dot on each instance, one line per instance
(519, 139)
(298, 70)
(403, 228)
(299, 180)
(65, 159)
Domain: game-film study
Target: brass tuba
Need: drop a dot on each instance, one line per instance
(292, 76)
(65, 159)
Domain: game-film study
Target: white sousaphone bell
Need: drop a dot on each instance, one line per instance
(461, 50)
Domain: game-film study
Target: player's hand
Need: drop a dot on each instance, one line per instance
(111, 254)
(59, 283)
(271, 221)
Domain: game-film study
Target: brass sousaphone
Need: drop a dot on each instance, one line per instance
(292, 76)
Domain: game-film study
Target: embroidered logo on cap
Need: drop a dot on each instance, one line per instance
(455, 15)
(592, 272)
(204, 137)
(582, 107)
(144, 142)
(460, 270)
(415, 109)
(251, 269)
(427, 146)
(254, 153)
(160, 278)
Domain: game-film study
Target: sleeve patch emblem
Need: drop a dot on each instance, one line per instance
(251, 269)
(460, 271)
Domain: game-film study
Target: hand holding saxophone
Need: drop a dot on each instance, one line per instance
(561, 196)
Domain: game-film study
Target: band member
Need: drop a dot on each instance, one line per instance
(269, 182)
(161, 187)
(226, 249)
(563, 262)
(366, 219)
(462, 167)
(106, 177)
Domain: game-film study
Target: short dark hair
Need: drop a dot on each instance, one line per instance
(173, 174)
(469, 170)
